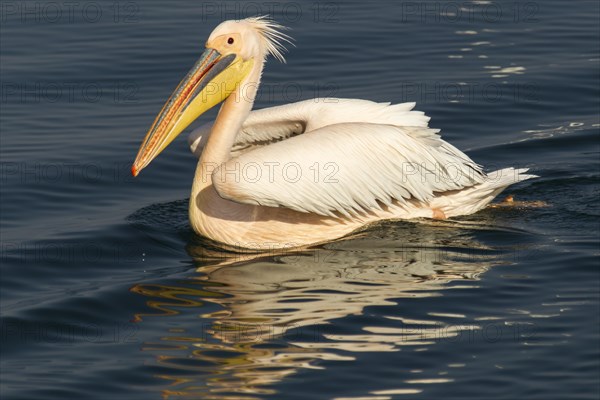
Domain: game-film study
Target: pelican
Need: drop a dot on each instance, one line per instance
(312, 171)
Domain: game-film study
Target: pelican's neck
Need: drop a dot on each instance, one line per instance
(232, 115)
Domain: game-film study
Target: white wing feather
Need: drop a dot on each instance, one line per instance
(348, 169)
(272, 124)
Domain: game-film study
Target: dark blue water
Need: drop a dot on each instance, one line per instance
(107, 293)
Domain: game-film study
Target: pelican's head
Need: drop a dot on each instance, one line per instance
(232, 50)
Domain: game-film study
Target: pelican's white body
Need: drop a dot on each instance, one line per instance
(255, 171)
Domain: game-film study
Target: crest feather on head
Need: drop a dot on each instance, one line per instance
(272, 35)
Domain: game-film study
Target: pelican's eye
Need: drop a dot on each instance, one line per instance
(230, 40)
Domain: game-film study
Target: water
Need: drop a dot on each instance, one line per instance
(106, 292)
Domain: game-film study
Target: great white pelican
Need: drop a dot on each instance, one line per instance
(307, 172)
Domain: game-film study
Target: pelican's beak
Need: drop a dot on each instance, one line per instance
(211, 80)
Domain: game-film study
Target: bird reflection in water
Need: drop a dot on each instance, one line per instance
(263, 317)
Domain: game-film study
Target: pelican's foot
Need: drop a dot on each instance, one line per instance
(437, 214)
(509, 201)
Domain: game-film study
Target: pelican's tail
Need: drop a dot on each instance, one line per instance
(473, 199)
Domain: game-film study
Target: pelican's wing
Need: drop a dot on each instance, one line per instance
(253, 134)
(347, 169)
(273, 124)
